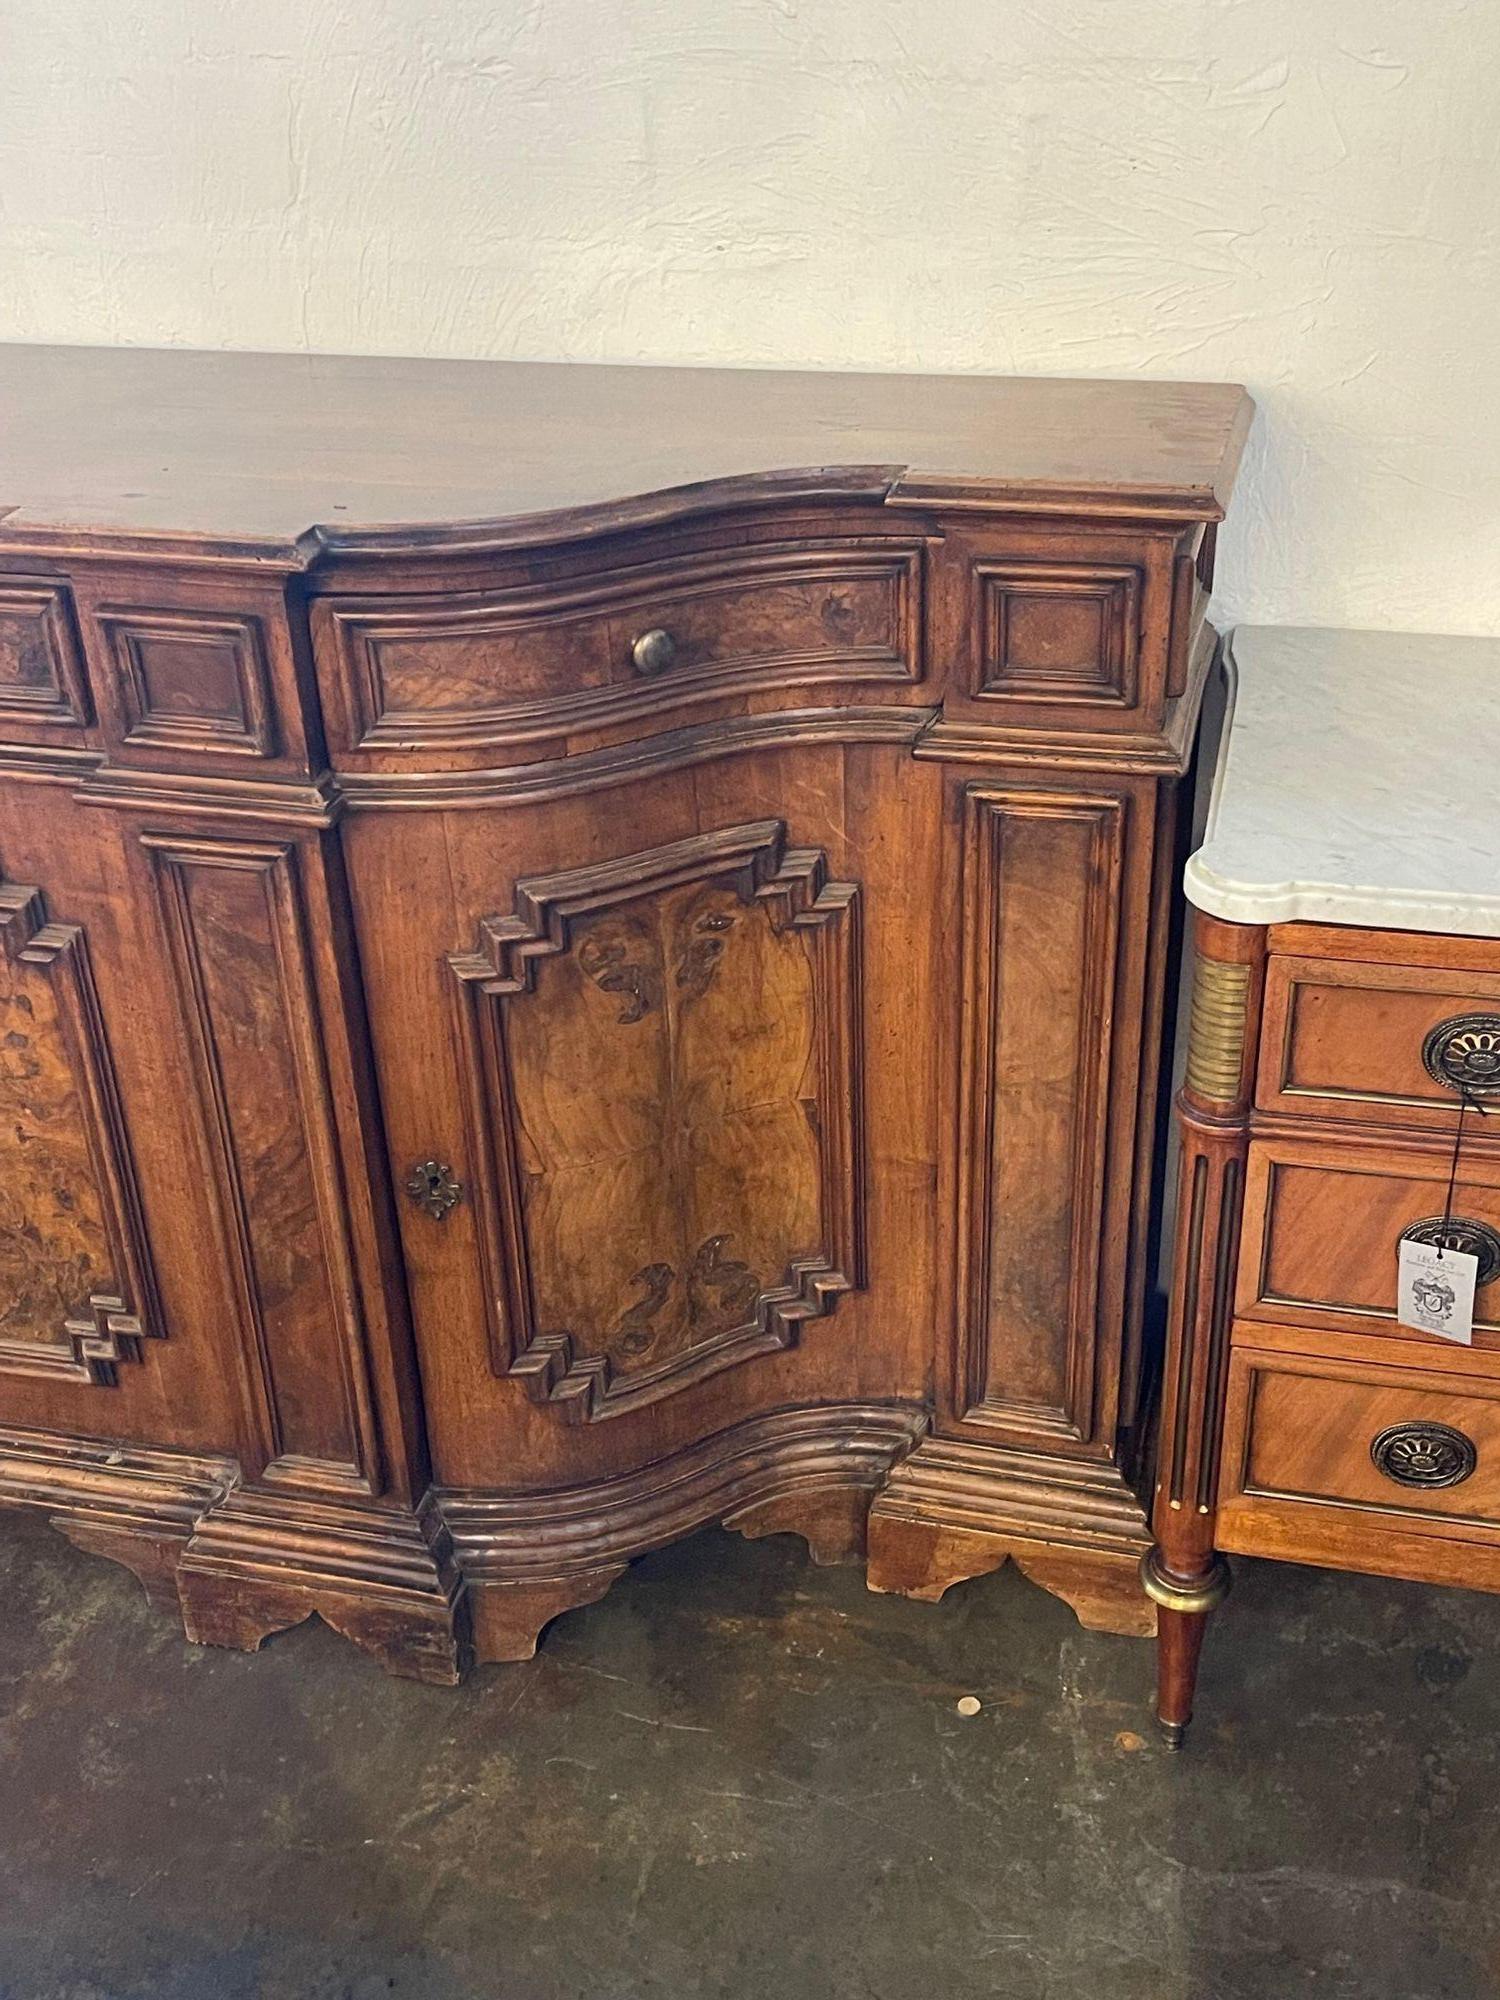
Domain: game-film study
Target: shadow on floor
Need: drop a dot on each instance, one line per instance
(740, 1777)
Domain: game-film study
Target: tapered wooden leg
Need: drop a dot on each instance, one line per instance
(1182, 1574)
(1182, 1608)
(1179, 1642)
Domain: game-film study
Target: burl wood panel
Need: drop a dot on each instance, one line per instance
(1042, 873)
(503, 666)
(195, 682)
(662, 1064)
(75, 1286)
(1057, 633)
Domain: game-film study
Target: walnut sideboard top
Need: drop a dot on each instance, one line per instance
(284, 454)
(582, 953)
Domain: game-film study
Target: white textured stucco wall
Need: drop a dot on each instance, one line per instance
(1301, 194)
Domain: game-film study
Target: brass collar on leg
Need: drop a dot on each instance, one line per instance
(1172, 1594)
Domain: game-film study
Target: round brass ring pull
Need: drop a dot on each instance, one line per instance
(1464, 1054)
(1427, 1455)
(1460, 1232)
(654, 652)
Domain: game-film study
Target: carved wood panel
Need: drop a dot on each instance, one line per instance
(191, 681)
(1050, 632)
(1040, 924)
(663, 1063)
(76, 1292)
(41, 670)
(237, 930)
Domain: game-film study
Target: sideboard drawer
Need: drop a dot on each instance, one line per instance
(1345, 1040)
(500, 666)
(1379, 1440)
(1322, 1223)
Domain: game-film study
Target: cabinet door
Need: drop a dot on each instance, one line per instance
(107, 1263)
(661, 1085)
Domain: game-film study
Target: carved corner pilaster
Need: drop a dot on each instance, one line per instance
(1182, 1575)
(1213, 1111)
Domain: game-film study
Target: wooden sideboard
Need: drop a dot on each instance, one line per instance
(584, 953)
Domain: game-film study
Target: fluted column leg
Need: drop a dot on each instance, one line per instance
(1183, 1573)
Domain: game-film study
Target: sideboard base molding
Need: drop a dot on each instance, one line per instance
(261, 1562)
(236, 1564)
(133, 1504)
(812, 1472)
(469, 1576)
(473, 1577)
(954, 1511)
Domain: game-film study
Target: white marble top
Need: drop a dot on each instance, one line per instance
(1358, 783)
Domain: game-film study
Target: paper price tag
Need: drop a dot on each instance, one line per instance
(1435, 1290)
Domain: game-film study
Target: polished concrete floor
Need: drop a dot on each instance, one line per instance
(743, 1778)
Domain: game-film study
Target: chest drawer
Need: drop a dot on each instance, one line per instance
(1375, 1441)
(507, 665)
(1342, 1039)
(1321, 1226)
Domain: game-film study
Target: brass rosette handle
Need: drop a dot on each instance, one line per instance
(1428, 1456)
(1464, 1054)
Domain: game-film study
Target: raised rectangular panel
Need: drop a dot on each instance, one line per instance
(1039, 922)
(1303, 1429)
(1322, 1224)
(76, 1291)
(192, 682)
(237, 932)
(41, 672)
(663, 1071)
(1053, 633)
(1343, 1039)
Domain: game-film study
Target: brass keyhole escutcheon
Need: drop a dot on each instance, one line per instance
(431, 1186)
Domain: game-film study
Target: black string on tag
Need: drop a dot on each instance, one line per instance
(1458, 1139)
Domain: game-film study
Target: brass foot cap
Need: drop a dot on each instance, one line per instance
(1172, 1733)
(1172, 1593)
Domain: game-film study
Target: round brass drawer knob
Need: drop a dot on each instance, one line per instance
(654, 652)
(1425, 1455)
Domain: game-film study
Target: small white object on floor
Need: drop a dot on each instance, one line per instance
(968, 1704)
